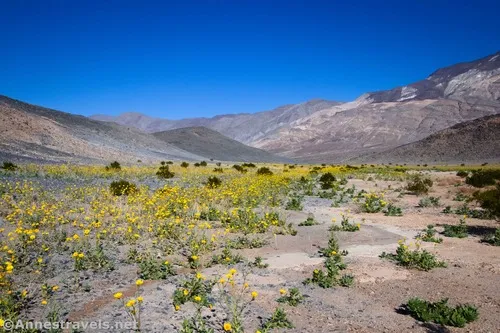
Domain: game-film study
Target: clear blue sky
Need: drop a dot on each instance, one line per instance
(178, 59)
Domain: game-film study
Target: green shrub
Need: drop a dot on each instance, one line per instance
(428, 235)
(489, 200)
(152, 269)
(115, 166)
(293, 297)
(327, 180)
(419, 184)
(239, 168)
(441, 313)
(218, 170)
(308, 222)
(294, 203)
(429, 202)
(122, 187)
(214, 182)
(164, 172)
(203, 163)
(264, 171)
(243, 242)
(458, 231)
(482, 178)
(462, 174)
(9, 166)
(345, 225)
(493, 239)
(277, 320)
(418, 259)
(392, 210)
(184, 164)
(248, 165)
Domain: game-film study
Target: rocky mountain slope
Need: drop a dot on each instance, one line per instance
(206, 142)
(243, 127)
(32, 133)
(322, 131)
(477, 140)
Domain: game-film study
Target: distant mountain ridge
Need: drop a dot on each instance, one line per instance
(207, 142)
(476, 140)
(33, 133)
(324, 131)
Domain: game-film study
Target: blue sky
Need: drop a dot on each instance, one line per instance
(177, 59)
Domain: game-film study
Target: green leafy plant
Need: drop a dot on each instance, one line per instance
(417, 259)
(258, 263)
(462, 174)
(346, 225)
(164, 172)
(482, 178)
(292, 297)
(374, 203)
(214, 182)
(458, 231)
(308, 222)
(278, 320)
(429, 235)
(489, 200)
(9, 166)
(392, 210)
(419, 184)
(244, 242)
(294, 203)
(122, 187)
(152, 269)
(429, 202)
(493, 239)
(226, 258)
(441, 313)
(264, 171)
(327, 180)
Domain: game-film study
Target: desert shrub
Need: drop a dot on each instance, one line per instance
(152, 269)
(248, 165)
(122, 187)
(429, 235)
(308, 222)
(203, 163)
(239, 168)
(277, 320)
(392, 210)
(214, 182)
(9, 166)
(258, 263)
(374, 203)
(458, 231)
(218, 170)
(327, 180)
(419, 184)
(490, 200)
(243, 242)
(346, 225)
(226, 258)
(462, 173)
(418, 259)
(164, 172)
(429, 202)
(493, 239)
(482, 178)
(292, 297)
(264, 171)
(460, 197)
(114, 166)
(196, 165)
(294, 203)
(184, 164)
(441, 313)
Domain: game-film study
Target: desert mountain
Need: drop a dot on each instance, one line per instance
(477, 140)
(381, 120)
(243, 127)
(29, 132)
(323, 131)
(206, 142)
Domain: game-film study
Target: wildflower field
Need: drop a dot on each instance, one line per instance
(211, 247)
